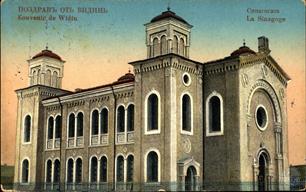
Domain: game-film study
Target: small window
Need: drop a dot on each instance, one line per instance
(152, 112)
(71, 125)
(104, 121)
(182, 47)
(214, 115)
(130, 118)
(120, 119)
(120, 169)
(186, 113)
(70, 171)
(58, 126)
(186, 79)
(261, 117)
(156, 48)
(50, 127)
(163, 45)
(27, 129)
(175, 44)
(80, 124)
(57, 168)
(152, 167)
(130, 168)
(94, 170)
(49, 171)
(78, 171)
(95, 122)
(103, 169)
(25, 171)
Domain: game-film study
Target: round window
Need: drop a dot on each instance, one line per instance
(186, 79)
(261, 117)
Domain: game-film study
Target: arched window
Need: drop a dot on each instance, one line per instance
(103, 169)
(182, 47)
(186, 113)
(94, 170)
(56, 171)
(49, 171)
(152, 167)
(120, 169)
(120, 119)
(48, 78)
(50, 127)
(214, 115)
(71, 125)
(27, 129)
(38, 76)
(58, 126)
(70, 171)
(34, 78)
(156, 48)
(130, 168)
(54, 79)
(175, 44)
(80, 124)
(78, 171)
(152, 112)
(25, 171)
(95, 122)
(163, 45)
(130, 118)
(104, 121)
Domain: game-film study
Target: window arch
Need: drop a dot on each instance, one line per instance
(94, 170)
(80, 125)
(175, 44)
(78, 170)
(48, 77)
(95, 122)
(56, 171)
(50, 127)
(163, 44)
(25, 171)
(34, 78)
(58, 126)
(104, 121)
(120, 119)
(152, 167)
(186, 112)
(38, 76)
(152, 110)
(182, 47)
(214, 114)
(120, 169)
(70, 170)
(130, 168)
(49, 171)
(27, 129)
(71, 125)
(103, 169)
(156, 48)
(54, 79)
(130, 117)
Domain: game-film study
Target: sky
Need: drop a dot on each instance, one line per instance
(98, 46)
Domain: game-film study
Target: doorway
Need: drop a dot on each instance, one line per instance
(190, 179)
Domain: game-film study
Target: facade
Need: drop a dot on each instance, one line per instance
(173, 124)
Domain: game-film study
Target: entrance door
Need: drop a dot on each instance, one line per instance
(190, 181)
(262, 173)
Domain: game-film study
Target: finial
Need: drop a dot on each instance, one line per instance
(47, 46)
(243, 42)
(168, 8)
(129, 70)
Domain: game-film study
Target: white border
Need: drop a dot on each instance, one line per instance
(189, 82)
(181, 114)
(23, 129)
(145, 164)
(267, 118)
(89, 169)
(221, 132)
(120, 154)
(29, 162)
(73, 168)
(99, 164)
(146, 132)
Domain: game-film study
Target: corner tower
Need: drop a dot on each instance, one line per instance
(168, 33)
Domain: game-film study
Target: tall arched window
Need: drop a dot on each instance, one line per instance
(38, 76)
(214, 115)
(54, 79)
(78, 171)
(25, 171)
(34, 78)
(186, 113)
(94, 170)
(130, 118)
(152, 112)
(156, 48)
(120, 119)
(120, 169)
(80, 124)
(50, 127)
(163, 45)
(182, 47)
(56, 171)
(27, 129)
(175, 44)
(130, 168)
(70, 171)
(103, 169)
(48, 77)
(49, 171)
(95, 122)
(58, 126)
(71, 125)
(104, 121)
(152, 167)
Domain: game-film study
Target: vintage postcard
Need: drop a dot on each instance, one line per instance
(153, 95)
